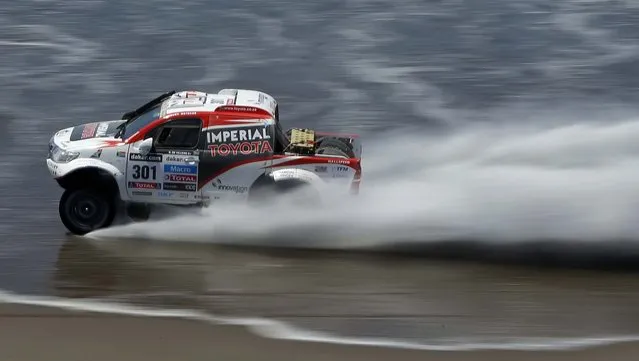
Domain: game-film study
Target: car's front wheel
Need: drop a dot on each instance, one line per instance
(85, 210)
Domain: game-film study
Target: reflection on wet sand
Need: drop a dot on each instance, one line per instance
(355, 294)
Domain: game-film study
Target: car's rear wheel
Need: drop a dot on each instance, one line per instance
(85, 210)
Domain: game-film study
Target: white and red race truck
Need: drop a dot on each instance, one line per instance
(193, 148)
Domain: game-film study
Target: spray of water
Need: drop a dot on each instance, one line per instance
(492, 183)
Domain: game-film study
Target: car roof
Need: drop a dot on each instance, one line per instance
(226, 100)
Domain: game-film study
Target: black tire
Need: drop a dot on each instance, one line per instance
(334, 146)
(86, 210)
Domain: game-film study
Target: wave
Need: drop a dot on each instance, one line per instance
(279, 330)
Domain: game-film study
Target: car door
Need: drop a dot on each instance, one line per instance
(169, 172)
(235, 156)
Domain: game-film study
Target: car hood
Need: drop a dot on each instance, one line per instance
(88, 134)
(94, 130)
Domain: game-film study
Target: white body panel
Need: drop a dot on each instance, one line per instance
(234, 184)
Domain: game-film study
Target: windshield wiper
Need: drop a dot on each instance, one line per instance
(120, 130)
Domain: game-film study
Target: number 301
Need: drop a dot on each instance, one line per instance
(144, 172)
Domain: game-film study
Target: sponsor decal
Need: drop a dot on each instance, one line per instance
(165, 194)
(244, 148)
(230, 101)
(181, 169)
(88, 131)
(91, 130)
(288, 173)
(139, 193)
(171, 158)
(102, 130)
(243, 141)
(180, 104)
(321, 169)
(233, 188)
(237, 135)
(97, 154)
(184, 113)
(341, 168)
(226, 188)
(188, 187)
(293, 173)
(181, 152)
(216, 101)
(184, 195)
(120, 154)
(145, 158)
(183, 178)
(240, 109)
(338, 161)
(145, 185)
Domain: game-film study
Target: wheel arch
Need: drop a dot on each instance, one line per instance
(282, 180)
(297, 174)
(92, 176)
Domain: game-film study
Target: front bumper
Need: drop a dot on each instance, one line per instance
(55, 168)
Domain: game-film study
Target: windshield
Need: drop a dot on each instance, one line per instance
(142, 120)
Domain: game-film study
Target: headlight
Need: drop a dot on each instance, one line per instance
(60, 155)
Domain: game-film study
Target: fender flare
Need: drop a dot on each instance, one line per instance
(297, 174)
(77, 165)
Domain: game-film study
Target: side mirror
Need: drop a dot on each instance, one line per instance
(145, 146)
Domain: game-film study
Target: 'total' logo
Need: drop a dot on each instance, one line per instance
(188, 178)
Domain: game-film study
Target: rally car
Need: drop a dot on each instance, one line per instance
(193, 148)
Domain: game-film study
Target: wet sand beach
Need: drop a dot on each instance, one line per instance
(411, 300)
(31, 333)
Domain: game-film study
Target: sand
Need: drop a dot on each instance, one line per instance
(40, 333)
